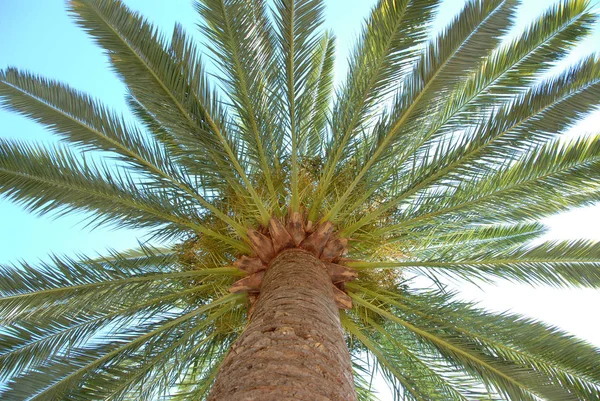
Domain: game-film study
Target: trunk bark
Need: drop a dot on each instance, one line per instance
(293, 347)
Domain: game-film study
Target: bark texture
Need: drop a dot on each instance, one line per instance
(293, 347)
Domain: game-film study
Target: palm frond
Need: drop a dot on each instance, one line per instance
(317, 99)
(509, 70)
(533, 187)
(64, 376)
(388, 45)
(196, 383)
(297, 39)
(66, 286)
(511, 374)
(533, 118)
(524, 355)
(68, 305)
(181, 101)
(46, 180)
(469, 38)
(242, 45)
(405, 369)
(86, 123)
(364, 388)
(152, 373)
(79, 119)
(143, 254)
(557, 263)
(552, 106)
(140, 56)
(514, 67)
(465, 240)
(26, 345)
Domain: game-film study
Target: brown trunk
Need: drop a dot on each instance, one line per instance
(293, 347)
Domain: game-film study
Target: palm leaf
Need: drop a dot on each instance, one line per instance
(413, 377)
(534, 117)
(521, 188)
(242, 46)
(66, 286)
(468, 38)
(197, 381)
(46, 180)
(151, 374)
(297, 21)
(566, 263)
(510, 69)
(317, 98)
(388, 45)
(52, 385)
(510, 376)
(26, 345)
(140, 56)
(548, 354)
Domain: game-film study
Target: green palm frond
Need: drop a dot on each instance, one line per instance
(30, 292)
(145, 376)
(554, 263)
(297, 22)
(533, 186)
(515, 66)
(364, 389)
(243, 47)
(83, 121)
(435, 157)
(129, 344)
(509, 70)
(53, 178)
(529, 358)
(534, 117)
(552, 106)
(411, 373)
(46, 180)
(144, 254)
(27, 344)
(470, 36)
(141, 58)
(80, 120)
(196, 384)
(154, 77)
(453, 243)
(49, 309)
(317, 98)
(447, 241)
(388, 45)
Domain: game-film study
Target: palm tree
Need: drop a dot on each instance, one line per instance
(293, 221)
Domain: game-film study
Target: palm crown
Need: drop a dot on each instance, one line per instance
(436, 156)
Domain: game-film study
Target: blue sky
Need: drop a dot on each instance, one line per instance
(39, 36)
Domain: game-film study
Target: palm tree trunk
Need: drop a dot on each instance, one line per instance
(293, 347)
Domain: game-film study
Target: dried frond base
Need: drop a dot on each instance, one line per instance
(294, 232)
